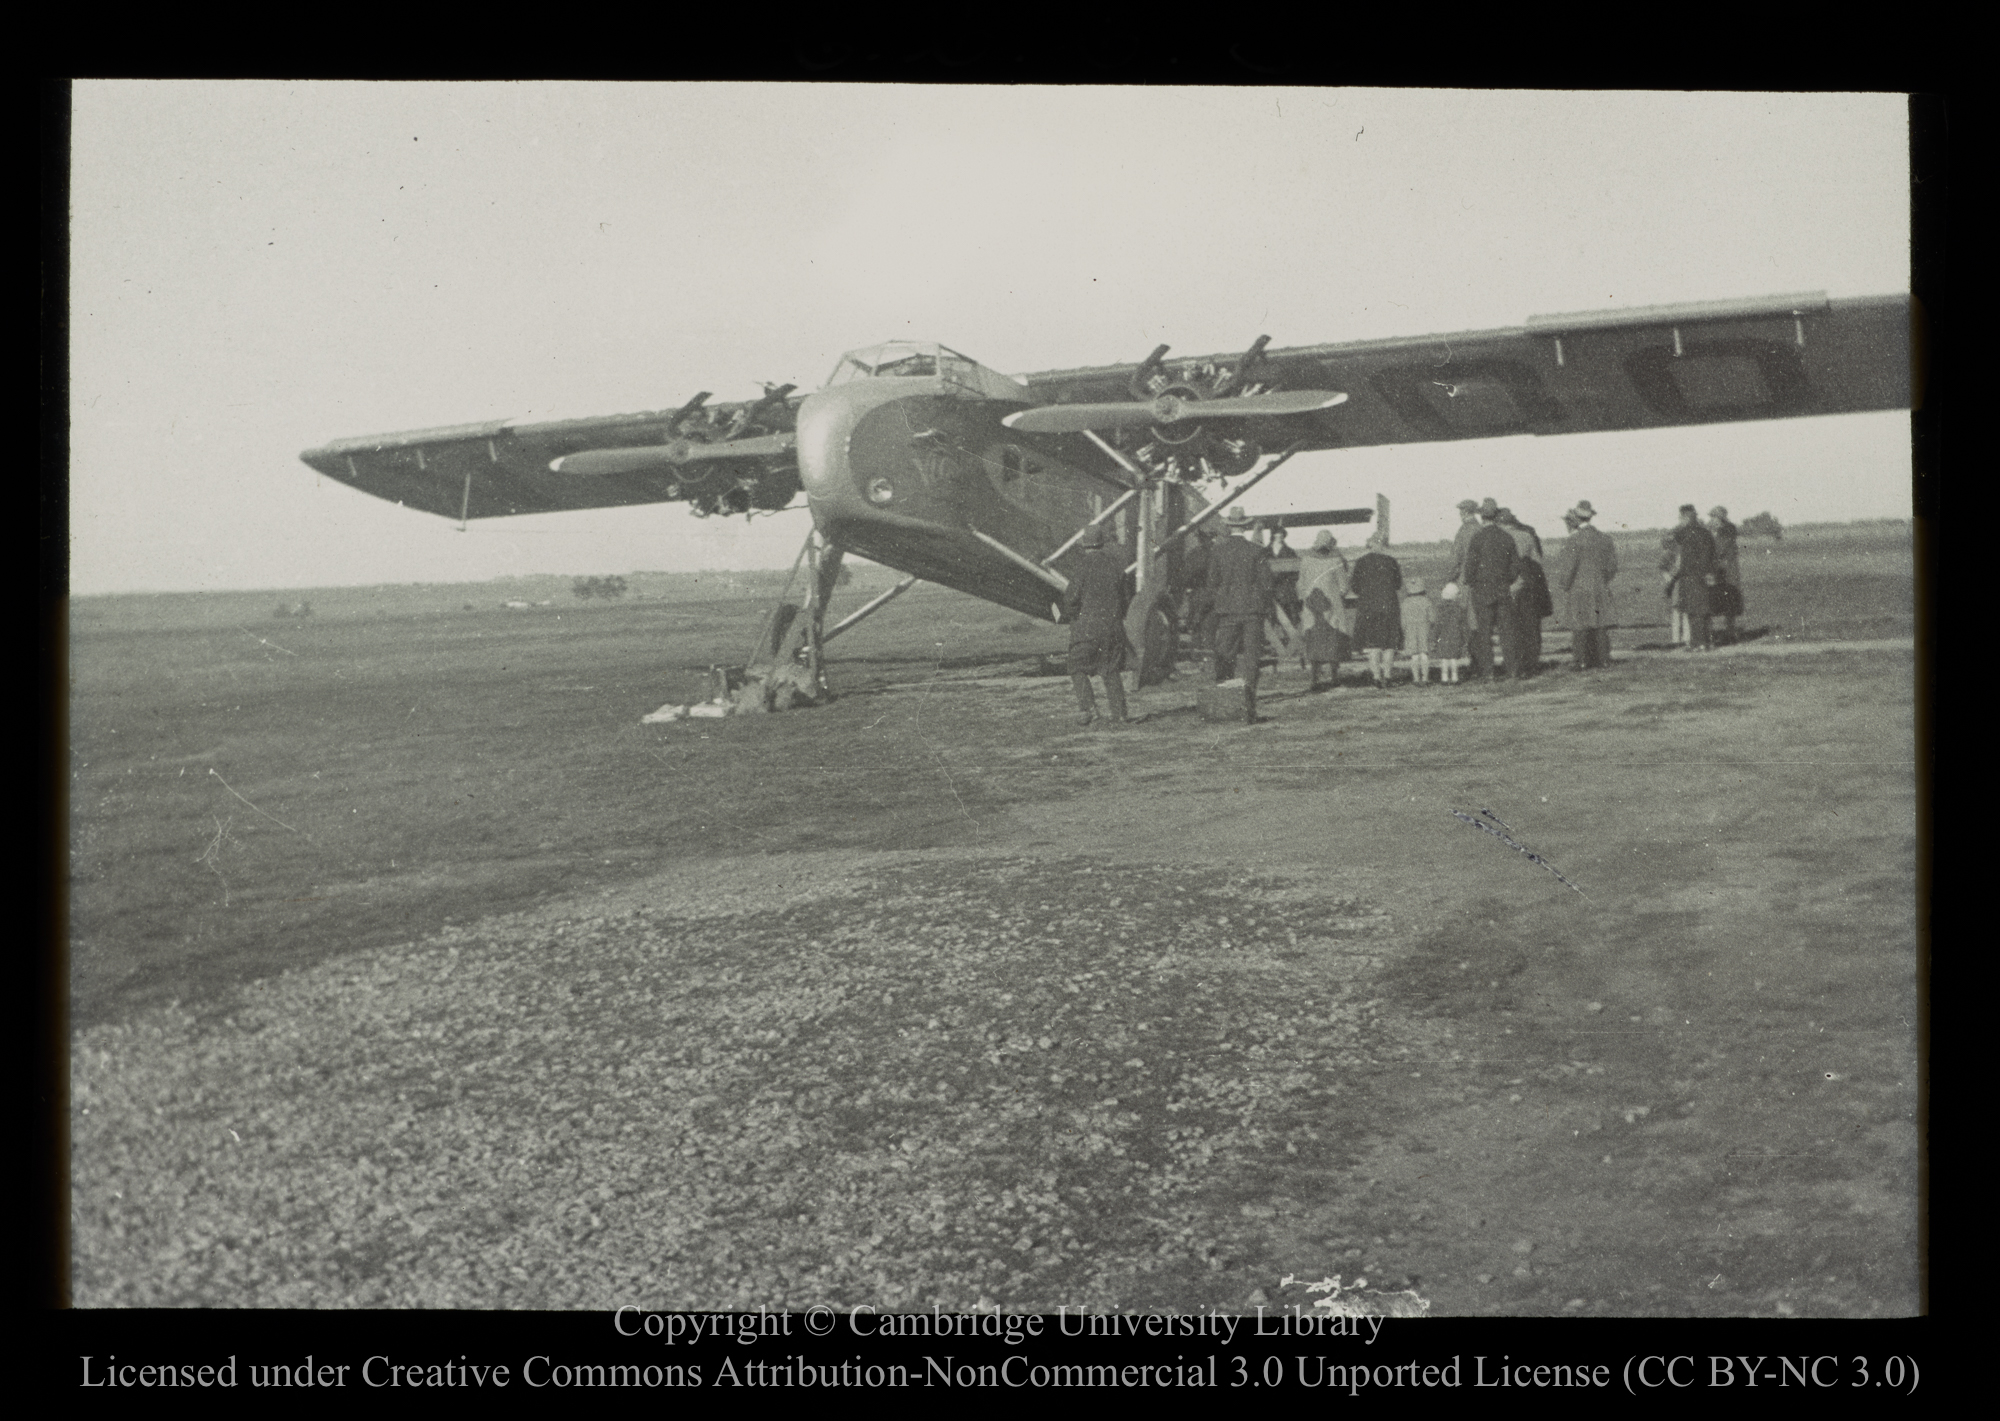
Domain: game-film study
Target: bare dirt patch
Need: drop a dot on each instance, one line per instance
(929, 995)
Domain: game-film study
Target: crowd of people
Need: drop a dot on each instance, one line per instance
(1497, 595)
(1497, 589)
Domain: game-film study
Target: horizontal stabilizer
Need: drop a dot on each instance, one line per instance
(1316, 520)
(594, 463)
(1168, 409)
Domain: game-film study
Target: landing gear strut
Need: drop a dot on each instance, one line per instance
(789, 666)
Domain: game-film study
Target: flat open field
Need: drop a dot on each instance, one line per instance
(410, 969)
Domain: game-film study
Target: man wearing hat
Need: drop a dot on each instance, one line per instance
(1239, 572)
(1492, 578)
(1695, 571)
(1584, 570)
(1468, 525)
(1094, 606)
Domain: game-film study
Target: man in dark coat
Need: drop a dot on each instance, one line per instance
(1094, 606)
(1239, 574)
(1492, 577)
(1584, 569)
(1696, 571)
(1468, 526)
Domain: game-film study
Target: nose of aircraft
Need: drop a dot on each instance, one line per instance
(825, 423)
(825, 430)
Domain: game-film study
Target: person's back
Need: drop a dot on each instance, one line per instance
(1094, 604)
(1097, 592)
(1417, 613)
(1489, 562)
(1697, 551)
(1728, 559)
(1239, 574)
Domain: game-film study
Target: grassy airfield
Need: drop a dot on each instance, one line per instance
(409, 969)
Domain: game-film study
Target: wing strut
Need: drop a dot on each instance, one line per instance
(1111, 508)
(868, 608)
(1119, 458)
(1054, 579)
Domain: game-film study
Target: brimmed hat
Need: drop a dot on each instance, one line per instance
(1416, 587)
(1092, 537)
(1687, 508)
(1572, 520)
(1718, 512)
(1583, 512)
(1323, 540)
(1235, 517)
(1489, 509)
(1506, 515)
(1466, 505)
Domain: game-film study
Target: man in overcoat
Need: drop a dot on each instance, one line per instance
(1584, 570)
(1491, 579)
(1468, 525)
(1094, 606)
(1696, 570)
(1239, 572)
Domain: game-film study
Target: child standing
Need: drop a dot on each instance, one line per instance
(1417, 611)
(1451, 643)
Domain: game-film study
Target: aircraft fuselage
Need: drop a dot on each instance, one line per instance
(909, 470)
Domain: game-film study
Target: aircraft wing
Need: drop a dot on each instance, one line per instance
(1643, 367)
(723, 459)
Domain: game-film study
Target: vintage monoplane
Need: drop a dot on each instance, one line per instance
(922, 459)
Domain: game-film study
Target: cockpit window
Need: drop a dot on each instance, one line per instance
(907, 366)
(903, 359)
(898, 359)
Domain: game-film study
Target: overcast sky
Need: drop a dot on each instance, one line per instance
(261, 267)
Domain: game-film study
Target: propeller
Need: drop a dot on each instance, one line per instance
(1169, 407)
(1177, 407)
(597, 463)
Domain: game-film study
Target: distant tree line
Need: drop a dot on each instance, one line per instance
(605, 587)
(1761, 526)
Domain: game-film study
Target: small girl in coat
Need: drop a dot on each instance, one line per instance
(1417, 612)
(1451, 642)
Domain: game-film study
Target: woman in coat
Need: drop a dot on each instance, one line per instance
(1728, 592)
(1378, 618)
(1323, 596)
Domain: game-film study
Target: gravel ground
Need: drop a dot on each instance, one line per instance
(899, 1079)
